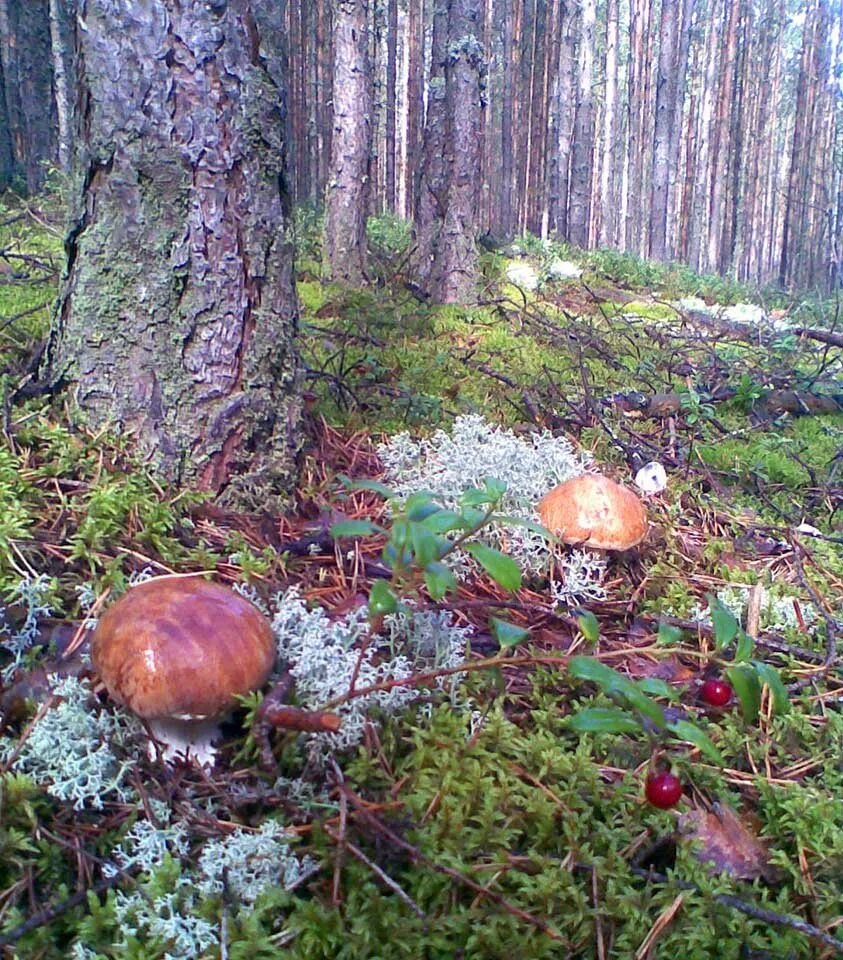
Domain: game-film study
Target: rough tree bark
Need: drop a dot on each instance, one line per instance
(454, 276)
(177, 317)
(347, 197)
(431, 195)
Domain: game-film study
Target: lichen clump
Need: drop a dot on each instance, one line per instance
(449, 464)
(79, 753)
(326, 657)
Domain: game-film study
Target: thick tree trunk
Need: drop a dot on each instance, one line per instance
(347, 199)
(177, 316)
(454, 276)
(431, 197)
(26, 61)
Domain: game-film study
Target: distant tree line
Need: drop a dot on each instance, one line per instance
(703, 131)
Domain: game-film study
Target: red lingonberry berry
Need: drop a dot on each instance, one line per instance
(716, 692)
(663, 789)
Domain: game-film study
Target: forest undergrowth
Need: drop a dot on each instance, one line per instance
(503, 699)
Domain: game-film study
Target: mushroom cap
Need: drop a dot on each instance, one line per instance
(594, 511)
(182, 647)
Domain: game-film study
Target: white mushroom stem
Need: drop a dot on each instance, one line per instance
(187, 739)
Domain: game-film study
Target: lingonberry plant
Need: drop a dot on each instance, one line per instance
(423, 533)
(745, 675)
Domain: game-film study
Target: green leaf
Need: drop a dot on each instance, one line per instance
(425, 544)
(372, 485)
(354, 528)
(393, 557)
(744, 647)
(381, 599)
(476, 498)
(725, 625)
(690, 733)
(444, 521)
(507, 634)
(587, 668)
(419, 506)
(668, 635)
(589, 627)
(521, 522)
(639, 701)
(658, 688)
(473, 519)
(616, 685)
(771, 678)
(494, 487)
(603, 720)
(439, 579)
(747, 687)
(502, 569)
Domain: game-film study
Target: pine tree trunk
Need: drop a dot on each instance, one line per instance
(583, 147)
(26, 60)
(507, 186)
(608, 167)
(59, 14)
(178, 314)
(535, 150)
(347, 197)
(666, 83)
(431, 201)
(721, 137)
(454, 277)
(675, 182)
(559, 199)
(415, 100)
(391, 96)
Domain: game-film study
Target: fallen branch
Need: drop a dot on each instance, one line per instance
(824, 336)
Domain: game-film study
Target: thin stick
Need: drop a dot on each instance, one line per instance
(385, 878)
(750, 909)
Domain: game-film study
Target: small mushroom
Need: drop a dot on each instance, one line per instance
(593, 511)
(177, 651)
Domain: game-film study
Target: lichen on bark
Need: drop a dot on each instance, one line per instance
(178, 316)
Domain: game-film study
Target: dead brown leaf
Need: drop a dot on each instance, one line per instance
(728, 842)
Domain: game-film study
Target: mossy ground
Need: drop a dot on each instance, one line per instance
(507, 834)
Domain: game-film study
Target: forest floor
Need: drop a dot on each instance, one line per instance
(486, 796)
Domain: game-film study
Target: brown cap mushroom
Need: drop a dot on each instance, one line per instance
(594, 511)
(182, 649)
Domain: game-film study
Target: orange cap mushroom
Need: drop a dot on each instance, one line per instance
(182, 649)
(594, 511)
